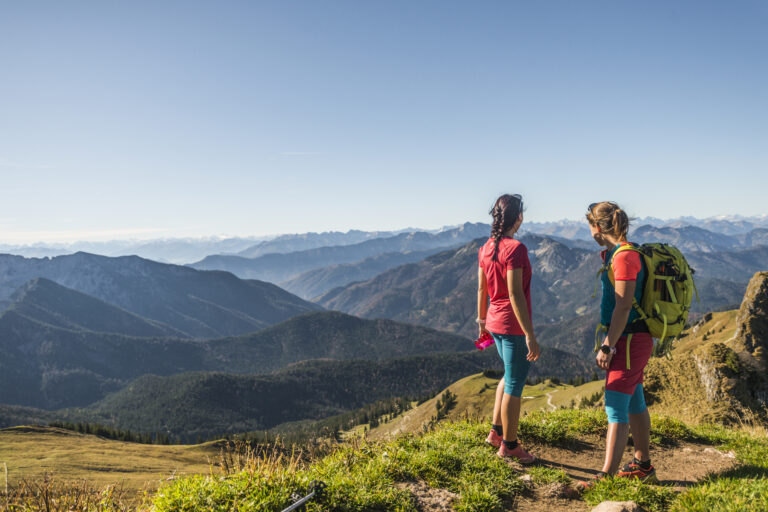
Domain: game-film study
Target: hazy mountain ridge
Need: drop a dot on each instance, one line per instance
(282, 267)
(306, 241)
(166, 250)
(50, 303)
(316, 282)
(693, 238)
(198, 304)
(191, 249)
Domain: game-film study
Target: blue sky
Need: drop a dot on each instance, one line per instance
(144, 119)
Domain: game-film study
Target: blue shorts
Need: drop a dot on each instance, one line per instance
(513, 352)
(618, 406)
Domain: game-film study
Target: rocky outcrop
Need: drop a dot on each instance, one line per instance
(752, 321)
(719, 377)
(750, 342)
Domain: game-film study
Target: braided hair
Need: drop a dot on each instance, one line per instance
(505, 213)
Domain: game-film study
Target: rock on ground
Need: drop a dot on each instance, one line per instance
(617, 506)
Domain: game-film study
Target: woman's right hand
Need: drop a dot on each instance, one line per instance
(481, 330)
(533, 348)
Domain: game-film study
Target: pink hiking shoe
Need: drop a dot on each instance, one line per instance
(518, 453)
(493, 439)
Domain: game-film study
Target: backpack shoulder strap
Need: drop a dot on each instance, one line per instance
(609, 268)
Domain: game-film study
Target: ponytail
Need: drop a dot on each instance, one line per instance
(610, 218)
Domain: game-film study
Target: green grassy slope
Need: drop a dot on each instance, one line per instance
(212, 403)
(454, 457)
(53, 367)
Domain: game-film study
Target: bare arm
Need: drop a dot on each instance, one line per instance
(520, 307)
(482, 299)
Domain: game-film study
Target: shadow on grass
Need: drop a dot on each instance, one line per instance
(566, 468)
(746, 471)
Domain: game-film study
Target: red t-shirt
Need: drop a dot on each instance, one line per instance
(511, 255)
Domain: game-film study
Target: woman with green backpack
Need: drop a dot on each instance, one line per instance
(626, 348)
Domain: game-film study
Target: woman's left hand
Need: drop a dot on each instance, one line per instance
(603, 359)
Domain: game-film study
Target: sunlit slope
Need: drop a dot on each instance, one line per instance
(31, 452)
(475, 397)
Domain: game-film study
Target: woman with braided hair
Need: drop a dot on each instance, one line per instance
(504, 275)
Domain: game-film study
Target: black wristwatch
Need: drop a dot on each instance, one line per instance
(607, 349)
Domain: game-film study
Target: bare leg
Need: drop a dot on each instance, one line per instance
(640, 425)
(497, 403)
(615, 443)
(510, 416)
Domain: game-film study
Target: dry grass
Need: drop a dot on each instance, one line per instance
(33, 452)
(49, 495)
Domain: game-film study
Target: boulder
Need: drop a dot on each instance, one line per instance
(617, 506)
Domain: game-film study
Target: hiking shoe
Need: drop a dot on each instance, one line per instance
(588, 484)
(522, 456)
(635, 470)
(493, 439)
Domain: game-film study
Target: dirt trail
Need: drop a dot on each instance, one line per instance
(680, 466)
(549, 401)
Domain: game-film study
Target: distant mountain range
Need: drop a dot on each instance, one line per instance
(306, 241)
(194, 303)
(692, 238)
(314, 283)
(187, 250)
(166, 250)
(440, 291)
(283, 267)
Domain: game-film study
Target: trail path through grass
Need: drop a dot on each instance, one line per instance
(549, 402)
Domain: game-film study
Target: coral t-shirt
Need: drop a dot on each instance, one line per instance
(512, 254)
(626, 266)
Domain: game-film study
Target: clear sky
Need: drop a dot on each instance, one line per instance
(142, 118)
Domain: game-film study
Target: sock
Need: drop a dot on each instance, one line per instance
(645, 465)
(499, 429)
(511, 445)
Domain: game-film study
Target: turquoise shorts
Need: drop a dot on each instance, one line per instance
(618, 406)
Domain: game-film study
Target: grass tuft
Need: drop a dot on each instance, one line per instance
(650, 497)
(543, 475)
(562, 427)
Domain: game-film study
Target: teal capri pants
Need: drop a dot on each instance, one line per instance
(513, 352)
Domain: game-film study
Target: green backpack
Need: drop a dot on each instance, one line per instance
(667, 292)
